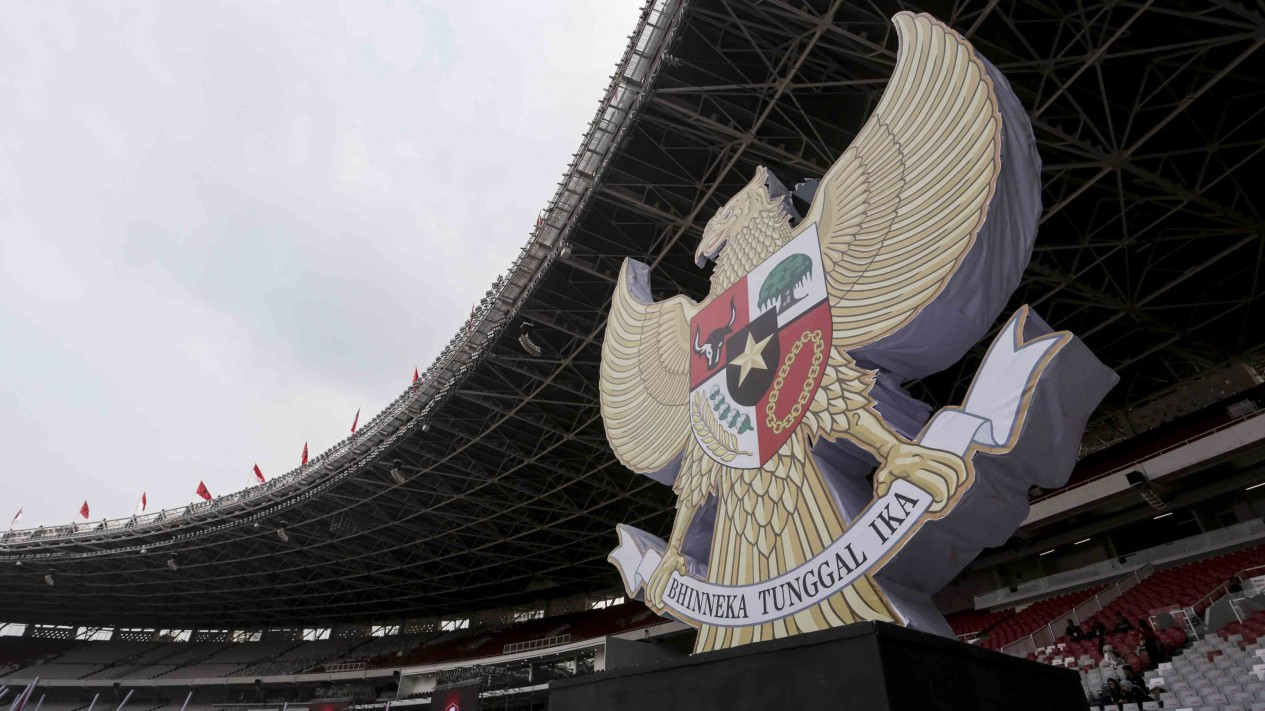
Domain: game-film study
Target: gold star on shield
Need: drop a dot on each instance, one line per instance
(751, 357)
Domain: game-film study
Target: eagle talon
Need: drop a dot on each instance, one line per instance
(934, 471)
(673, 562)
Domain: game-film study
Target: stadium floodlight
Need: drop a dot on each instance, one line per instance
(281, 533)
(171, 563)
(426, 427)
(524, 340)
(49, 579)
(565, 251)
(396, 475)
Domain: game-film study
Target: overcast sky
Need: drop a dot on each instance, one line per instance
(225, 227)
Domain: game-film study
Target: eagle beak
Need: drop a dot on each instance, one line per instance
(709, 246)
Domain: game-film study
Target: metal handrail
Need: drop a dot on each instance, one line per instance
(1102, 598)
(343, 667)
(1215, 594)
(1189, 610)
(542, 643)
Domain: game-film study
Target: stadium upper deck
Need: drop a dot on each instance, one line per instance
(489, 484)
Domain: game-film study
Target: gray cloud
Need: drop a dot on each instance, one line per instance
(223, 229)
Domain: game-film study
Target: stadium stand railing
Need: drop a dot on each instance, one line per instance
(1041, 622)
(475, 643)
(1129, 453)
(969, 625)
(344, 667)
(1172, 601)
(1091, 602)
(535, 644)
(97, 663)
(1189, 548)
(18, 652)
(1034, 617)
(1223, 671)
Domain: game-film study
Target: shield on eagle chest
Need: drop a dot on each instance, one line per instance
(759, 352)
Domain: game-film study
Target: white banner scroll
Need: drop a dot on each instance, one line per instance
(990, 420)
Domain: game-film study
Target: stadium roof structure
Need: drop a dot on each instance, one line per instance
(489, 483)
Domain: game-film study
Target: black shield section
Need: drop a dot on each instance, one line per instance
(758, 380)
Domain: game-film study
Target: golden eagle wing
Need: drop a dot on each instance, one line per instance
(901, 207)
(645, 375)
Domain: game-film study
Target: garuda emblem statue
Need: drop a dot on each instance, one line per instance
(733, 393)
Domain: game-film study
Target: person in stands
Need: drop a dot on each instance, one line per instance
(1151, 642)
(1127, 672)
(1073, 630)
(1234, 584)
(1113, 694)
(1132, 693)
(1122, 624)
(1110, 660)
(1098, 631)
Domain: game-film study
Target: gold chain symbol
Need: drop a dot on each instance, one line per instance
(819, 348)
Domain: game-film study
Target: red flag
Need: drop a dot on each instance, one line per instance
(355, 421)
(144, 503)
(415, 375)
(304, 463)
(203, 491)
(83, 510)
(16, 519)
(259, 474)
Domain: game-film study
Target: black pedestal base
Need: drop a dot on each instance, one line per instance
(869, 666)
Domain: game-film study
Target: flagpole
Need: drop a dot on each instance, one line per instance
(20, 699)
(3, 693)
(186, 702)
(40, 703)
(125, 699)
(94, 701)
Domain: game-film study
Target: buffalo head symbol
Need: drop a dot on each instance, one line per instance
(710, 349)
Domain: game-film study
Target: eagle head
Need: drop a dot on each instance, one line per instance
(729, 221)
(745, 232)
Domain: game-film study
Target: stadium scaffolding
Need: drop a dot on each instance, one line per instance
(1148, 117)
